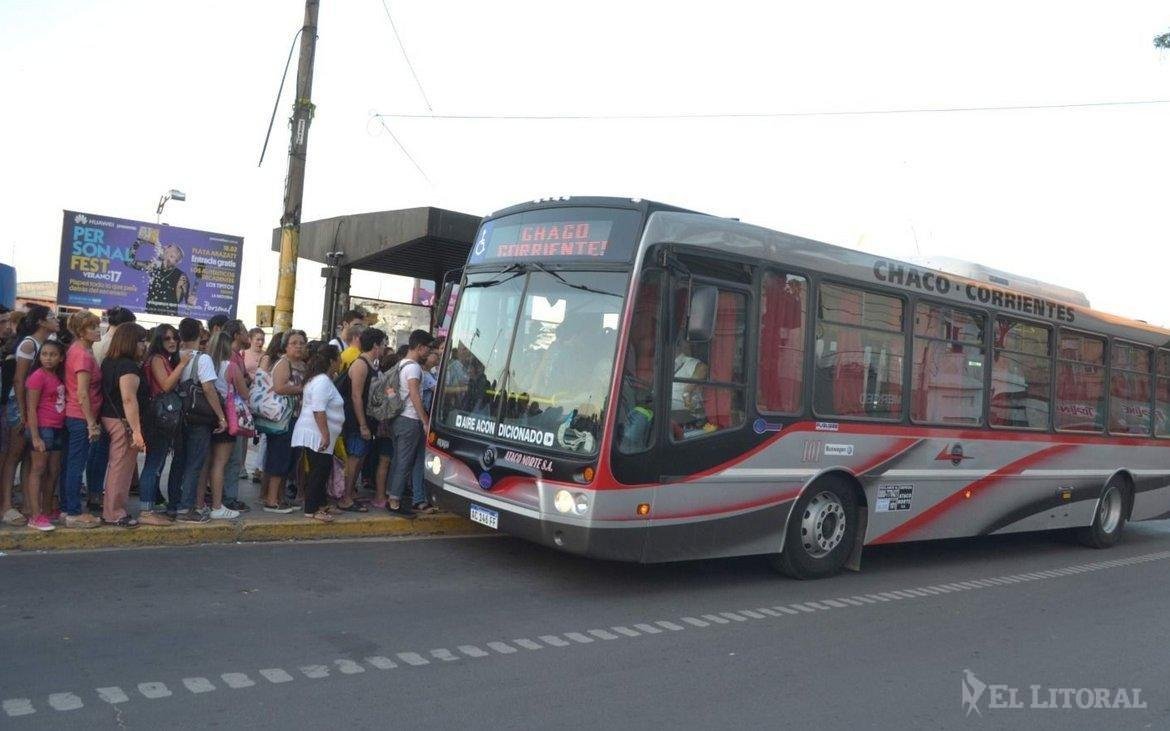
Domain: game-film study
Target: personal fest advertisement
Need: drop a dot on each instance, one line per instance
(147, 268)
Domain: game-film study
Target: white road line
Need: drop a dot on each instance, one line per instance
(65, 702)
(413, 658)
(769, 612)
(850, 602)
(863, 599)
(647, 628)
(786, 610)
(671, 626)
(602, 634)
(112, 695)
(348, 667)
(693, 622)
(834, 603)
(803, 608)
(733, 616)
(154, 691)
(631, 633)
(750, 613)
(877, 598)
(716, 619)
(528, 644)
(444, 654)
(472, 651)
(237, 680)
(198, 685)
(577, 637)
(816, 605)
(19, 707)
(315, 672)
(385, 663)
(503, 647)
(276, 675)
(553, 641)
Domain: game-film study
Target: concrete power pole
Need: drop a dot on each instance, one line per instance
(294, 185)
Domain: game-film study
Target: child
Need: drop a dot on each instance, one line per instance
(46, 426)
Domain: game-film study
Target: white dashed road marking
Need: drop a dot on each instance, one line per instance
(65, 702)
(112, 695)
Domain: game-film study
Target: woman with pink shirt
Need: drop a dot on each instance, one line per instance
(83, 399)
(46, 428)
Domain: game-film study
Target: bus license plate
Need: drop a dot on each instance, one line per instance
(483, 516)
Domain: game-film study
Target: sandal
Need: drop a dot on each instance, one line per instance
(124, 522)
(425, 507)
(320, 516)
(354, 507)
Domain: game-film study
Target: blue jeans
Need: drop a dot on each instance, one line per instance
(76, 456)
(418, 487)
(196, 445)
(152, 468)
(95, 468)
(409, 448)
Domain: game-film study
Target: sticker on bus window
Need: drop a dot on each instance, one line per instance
(891, 498)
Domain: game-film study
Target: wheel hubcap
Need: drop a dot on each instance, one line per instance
(1109, 514)
(822, 527)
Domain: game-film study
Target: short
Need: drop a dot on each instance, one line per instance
(11, 413)
(278, 457)
(356, 446)
(384, 447)
(224, 437)
(53, 437)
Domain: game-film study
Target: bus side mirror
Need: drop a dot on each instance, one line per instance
(441, 304)
(701, 314)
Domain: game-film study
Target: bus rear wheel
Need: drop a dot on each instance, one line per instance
(1109, 519)
(822, 529)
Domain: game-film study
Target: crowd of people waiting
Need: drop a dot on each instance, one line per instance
(80, 407)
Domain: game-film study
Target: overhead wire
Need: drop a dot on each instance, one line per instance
(406, 56)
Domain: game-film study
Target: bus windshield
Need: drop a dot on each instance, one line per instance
(531, 356)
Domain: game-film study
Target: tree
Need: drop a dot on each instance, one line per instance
(1162, 41)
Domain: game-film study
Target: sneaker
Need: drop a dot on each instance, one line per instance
(193, 516)
(278, 509)
(12, 516)
(55, 516)
(172, 515)
(85, 520)
(239, 505)
(149, 517)
(41, 523)
(204, 511)
(224, 513)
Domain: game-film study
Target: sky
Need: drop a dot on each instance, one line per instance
(108, 105)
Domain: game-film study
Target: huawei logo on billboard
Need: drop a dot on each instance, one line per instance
(81, 218)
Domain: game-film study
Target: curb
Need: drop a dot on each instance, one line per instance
(240, 531)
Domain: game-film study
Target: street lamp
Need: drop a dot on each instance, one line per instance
(171, 194)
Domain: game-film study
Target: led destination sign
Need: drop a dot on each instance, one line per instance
(557, 234)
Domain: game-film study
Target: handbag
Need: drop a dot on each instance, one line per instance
(197, 410)
(165, 410)
(265, 403)
(239, 416)
(336, 487)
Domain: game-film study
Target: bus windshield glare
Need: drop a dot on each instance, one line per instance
(531, 357)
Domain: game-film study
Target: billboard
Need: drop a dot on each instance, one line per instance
(147, 268)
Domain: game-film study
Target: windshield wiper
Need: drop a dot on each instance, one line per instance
(567, 283)
(517, 269)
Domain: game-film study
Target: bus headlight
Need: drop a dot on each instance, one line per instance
(563, 501)
(582, 504)
(436, 465)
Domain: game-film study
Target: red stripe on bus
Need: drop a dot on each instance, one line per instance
(763, 502)
(975, 488)
(903, 446)
(977, 434)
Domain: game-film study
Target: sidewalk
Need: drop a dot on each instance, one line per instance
(253, 526)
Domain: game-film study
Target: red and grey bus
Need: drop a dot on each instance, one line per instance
(633, 381)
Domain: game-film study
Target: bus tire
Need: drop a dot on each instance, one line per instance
(1109, 518)
(822, 529)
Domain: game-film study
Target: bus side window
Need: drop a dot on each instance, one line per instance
(1162, 395)
(859, 353)
(1129, 390)
(1020, 375)
(635, 421)
(707, 389)
(1080, 383)
(782, 327)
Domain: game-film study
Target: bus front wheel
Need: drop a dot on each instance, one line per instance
(1109, 518)
(821, 532)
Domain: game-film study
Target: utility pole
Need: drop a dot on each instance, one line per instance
(294, 185)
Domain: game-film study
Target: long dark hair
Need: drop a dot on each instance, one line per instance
(274, 350)
(33, 318)
(59, 371)
(158, 347)
(320, 360)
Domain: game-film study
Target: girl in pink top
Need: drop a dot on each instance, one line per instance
(46, 426)
(83, 399)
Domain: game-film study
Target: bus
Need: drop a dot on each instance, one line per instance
(633, 381)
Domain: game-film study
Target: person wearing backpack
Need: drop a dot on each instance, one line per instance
(359, 427)
(196, 441)
(164, 366)
(411, 426)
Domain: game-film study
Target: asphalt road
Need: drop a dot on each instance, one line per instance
(495, 633)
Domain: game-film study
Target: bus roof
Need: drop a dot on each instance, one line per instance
(727, 236)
